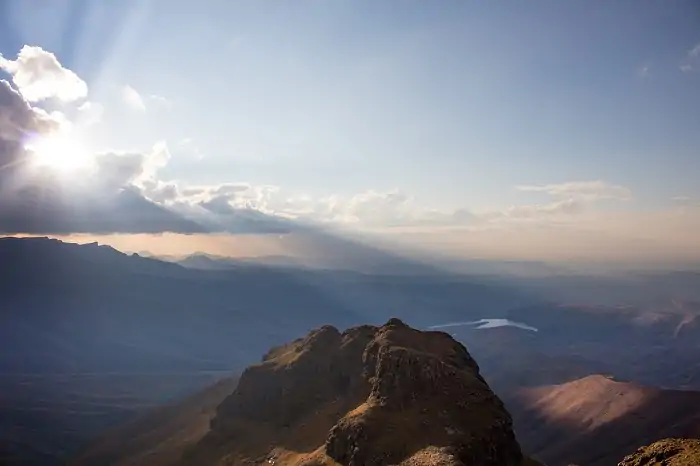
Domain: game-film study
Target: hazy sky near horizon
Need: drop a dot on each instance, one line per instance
(567, 126)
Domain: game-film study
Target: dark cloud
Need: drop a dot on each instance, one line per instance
(161, 192)
(244, 220)
(19, 122)
(47, 209)
(218, 205)
(116, 170)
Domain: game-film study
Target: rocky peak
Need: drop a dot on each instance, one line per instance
(668, 452)
(368, 396)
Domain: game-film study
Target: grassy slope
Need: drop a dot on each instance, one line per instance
(158, 437)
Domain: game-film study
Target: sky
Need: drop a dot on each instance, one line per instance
(550, 130)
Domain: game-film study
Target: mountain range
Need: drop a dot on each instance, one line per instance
(95, 337)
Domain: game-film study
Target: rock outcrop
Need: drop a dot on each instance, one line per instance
(368, 396)
(668, 452)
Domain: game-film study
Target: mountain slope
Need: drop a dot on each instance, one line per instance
(161, 435)
(597, 421)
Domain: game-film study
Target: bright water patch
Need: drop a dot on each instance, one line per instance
(487, 323)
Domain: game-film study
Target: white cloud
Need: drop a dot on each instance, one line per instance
(133, 99)
(142, 102)
(90, 113)
(692, 60)
(565, 207)
(369, 209)
(156, 159)
(159, 100)
(581, 190)
(39, 75)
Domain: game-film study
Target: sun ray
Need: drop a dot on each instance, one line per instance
(60, 152)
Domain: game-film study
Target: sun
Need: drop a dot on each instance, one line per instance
(60, 152)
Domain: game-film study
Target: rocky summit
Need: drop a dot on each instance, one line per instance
(368, 396)
(668, 452)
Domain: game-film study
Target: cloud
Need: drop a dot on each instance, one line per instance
(39, 75)
(125, 191)
(19, 122)
(122, 191)
(37, 201)
(133, 99)
(569, 199)
(89, 113)
(581, 190)
(368, 209)
(218, 205)
(159, 100)
(565, 207)
(142, 103)
(161, 192)
(692, 60)
(47, 209)
(115, 170)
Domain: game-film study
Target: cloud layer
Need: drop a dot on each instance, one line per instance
(126, 192)
(582, 190)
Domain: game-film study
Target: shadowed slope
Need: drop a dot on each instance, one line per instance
(160, 436)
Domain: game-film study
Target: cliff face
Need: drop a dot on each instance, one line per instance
(368, 396)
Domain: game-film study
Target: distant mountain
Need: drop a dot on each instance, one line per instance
(596, 421)
(204, 261)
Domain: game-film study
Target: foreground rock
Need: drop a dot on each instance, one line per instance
(669, 452)
(368, 396)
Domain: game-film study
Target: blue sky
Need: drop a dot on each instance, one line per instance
(437, 109)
